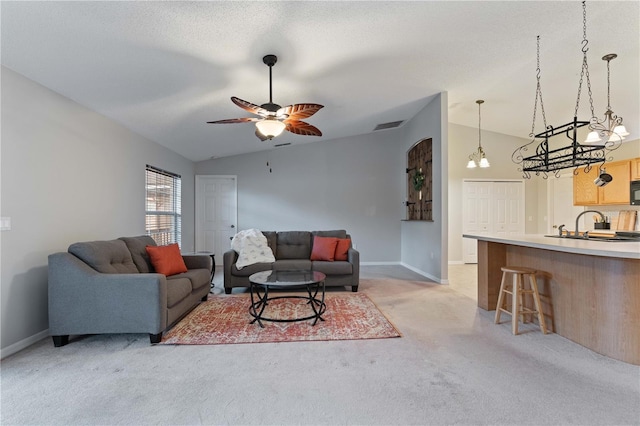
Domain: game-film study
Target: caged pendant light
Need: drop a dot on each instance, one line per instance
(478, 158)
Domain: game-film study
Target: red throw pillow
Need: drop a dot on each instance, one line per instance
(166, 260)
(324, 248)
(342, 249)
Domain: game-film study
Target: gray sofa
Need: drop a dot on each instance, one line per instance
(110, 287)
(292, 251)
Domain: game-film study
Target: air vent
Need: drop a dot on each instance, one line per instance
(390, 125)
(282, 144)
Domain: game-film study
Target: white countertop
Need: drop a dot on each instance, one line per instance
(622, 249)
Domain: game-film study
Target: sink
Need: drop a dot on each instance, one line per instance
(616, 238)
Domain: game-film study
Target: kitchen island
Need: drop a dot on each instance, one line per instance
(590, 290)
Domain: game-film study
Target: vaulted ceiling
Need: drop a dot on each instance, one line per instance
(163, 69)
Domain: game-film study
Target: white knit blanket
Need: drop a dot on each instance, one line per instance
(251, 246)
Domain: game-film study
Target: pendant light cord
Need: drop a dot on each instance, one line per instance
(479, 122)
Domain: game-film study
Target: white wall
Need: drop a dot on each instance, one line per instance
(347, 184)
(498, 148)
(425, 244)
(67, 174)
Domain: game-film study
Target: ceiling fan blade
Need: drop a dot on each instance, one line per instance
(260, 136)
(301, 128)
(252, 108)
(235, 120)
(298, 111)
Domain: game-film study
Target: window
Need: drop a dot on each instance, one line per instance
(163, 206)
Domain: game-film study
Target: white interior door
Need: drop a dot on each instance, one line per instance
(216, 213)
(508, 208)
(561, 208)
(476, 206)
(491, 208)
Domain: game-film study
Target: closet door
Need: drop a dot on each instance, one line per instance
(508, 208)
(495, 208)
(476, 216)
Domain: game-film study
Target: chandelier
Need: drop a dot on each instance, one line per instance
(609, 129)
(545, 160)
(478, 157)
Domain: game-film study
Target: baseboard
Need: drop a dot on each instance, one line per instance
(379, 263)
(18, 346)
(425, 274)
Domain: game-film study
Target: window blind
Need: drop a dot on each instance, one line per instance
(163, 206)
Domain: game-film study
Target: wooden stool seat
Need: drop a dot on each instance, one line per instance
(517, 291)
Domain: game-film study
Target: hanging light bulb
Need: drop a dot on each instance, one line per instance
(478, 158)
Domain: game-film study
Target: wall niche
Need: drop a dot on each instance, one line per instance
(419, 181)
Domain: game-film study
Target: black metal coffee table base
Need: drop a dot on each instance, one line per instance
(260, 300)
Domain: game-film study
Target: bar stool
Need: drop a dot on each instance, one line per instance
(517, 291)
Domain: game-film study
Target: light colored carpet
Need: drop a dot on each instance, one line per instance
(452, 366)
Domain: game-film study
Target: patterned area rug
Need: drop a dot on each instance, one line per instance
(226, 320)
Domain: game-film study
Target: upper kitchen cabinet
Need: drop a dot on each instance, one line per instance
(587, 193)
(635, 169)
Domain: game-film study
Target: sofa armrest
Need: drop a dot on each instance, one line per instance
(229, 259)
(198, 261)
(353, 257)
(84, 301)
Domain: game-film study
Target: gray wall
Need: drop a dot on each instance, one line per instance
(68, 174)
(347, 184)
(424, 244)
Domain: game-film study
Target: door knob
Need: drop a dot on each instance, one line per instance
(233, 226)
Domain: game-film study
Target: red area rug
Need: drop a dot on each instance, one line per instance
(225, 319)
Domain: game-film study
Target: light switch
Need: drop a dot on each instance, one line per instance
(5, 224)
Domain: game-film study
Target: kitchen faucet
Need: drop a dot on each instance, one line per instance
(576, 234)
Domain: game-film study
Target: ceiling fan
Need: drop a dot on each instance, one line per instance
(274, 119)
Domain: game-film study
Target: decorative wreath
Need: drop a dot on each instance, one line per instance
(418, 180)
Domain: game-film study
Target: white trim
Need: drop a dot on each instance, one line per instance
(24, 343)
(425, 274)
(378, 263)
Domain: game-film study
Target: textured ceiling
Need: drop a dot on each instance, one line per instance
(163, 69)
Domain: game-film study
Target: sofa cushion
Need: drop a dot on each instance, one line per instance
(342, 249)
(272, 239)
(251, 269)
(137, 247)
(324, 248)
(178, 288)
(293, 245)
(108, 257)
(336, 233)
(292, 265)
(333, 268)
(166, 260)
(198, 277)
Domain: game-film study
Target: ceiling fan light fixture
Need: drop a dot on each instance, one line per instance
(270, 127)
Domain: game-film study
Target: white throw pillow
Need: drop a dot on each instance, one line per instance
(251, 246)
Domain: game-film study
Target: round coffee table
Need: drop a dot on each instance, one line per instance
(262, 282)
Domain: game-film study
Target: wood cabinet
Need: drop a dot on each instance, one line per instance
(635, 169)
(586, 193)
